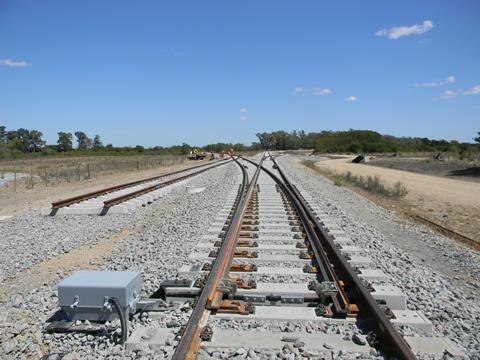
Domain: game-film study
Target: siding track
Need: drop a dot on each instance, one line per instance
(102, 200)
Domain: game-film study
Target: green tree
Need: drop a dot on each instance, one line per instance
(267, 140)
(3, 135)
(185, 149)
(239, 147)
(454, 147)
(84, 142)
(17, 139)
(64, 141)
(35, 141)
(302, 137)
(15, 144)
(97, 143)
(25, 140)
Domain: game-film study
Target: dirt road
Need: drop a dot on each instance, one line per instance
(452, 203)
(449, 190)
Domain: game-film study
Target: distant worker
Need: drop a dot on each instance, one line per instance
(222, 154)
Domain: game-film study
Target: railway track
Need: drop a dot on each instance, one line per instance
(271, 276)
(475, 244)
(101, 201)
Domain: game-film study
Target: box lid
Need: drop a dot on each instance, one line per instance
(105, 279)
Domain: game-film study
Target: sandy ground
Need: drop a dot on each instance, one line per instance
(450, 202)
(23, 200)
(450, 169)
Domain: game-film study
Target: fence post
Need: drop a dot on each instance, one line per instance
(46, 179)
(138, 164)
(88, 171)
(78, 172)
(31, 177)
(57, 175)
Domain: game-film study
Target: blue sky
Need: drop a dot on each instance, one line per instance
(166, 72)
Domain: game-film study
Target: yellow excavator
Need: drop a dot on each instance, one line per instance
(195, 154)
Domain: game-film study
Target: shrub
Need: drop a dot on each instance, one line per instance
(371, 184)
(338, 181)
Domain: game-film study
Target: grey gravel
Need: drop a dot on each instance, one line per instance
(171, 228)
(359, 339)
(31, 238)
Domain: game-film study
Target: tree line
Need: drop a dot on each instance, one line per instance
(359, 141)
(21, 142)
(16, 143)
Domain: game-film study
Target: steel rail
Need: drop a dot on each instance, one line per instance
(122, 198)
(226, 252)
(391, 342)
(446, 231)
(76, 199)
(190, 339)
(341, 302)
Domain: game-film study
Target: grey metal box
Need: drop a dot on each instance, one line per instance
(84, 294)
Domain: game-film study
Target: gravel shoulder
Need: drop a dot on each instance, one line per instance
(449, 202)
(155, 240)
(440, 277)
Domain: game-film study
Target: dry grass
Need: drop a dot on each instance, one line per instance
(58, 170)
(372, 184)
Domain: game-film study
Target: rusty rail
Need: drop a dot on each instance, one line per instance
(390, 340)
(94, 194)
(122, 198)
(210, 295)
(342, 306)
(446, 231)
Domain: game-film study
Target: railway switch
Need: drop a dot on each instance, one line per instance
(326, 290)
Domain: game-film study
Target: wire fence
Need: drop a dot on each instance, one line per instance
(30, 174)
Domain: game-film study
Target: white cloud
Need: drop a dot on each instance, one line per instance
(243, 110)
(448, 94)
(452, 94)
(351, 98)
(12, 63)
(243, 118)
(318, 91)
(472, 91)
(298, 90)
(321, 91)
(450, 79)
(428, 84)
(399, 31)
